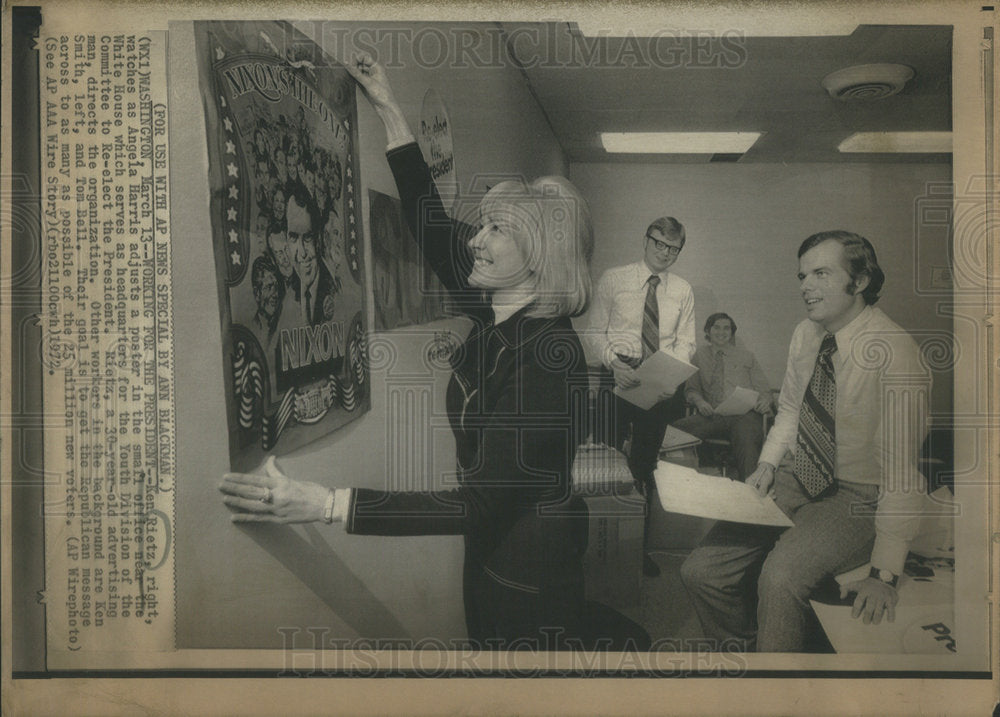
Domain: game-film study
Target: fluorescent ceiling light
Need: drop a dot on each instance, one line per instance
(893, 142)
(678, 142)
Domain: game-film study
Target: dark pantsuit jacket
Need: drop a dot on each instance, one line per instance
(511, 402)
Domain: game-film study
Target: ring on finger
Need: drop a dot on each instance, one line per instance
(268, 496)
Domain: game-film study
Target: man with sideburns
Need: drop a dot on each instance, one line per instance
(852, 414)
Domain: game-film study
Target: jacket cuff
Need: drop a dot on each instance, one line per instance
(350, 506)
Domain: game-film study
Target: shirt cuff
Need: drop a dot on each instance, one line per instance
(612, 350)
(890, 554)
(341, 504)
(772, 455)
(399, 141)
(607, 356)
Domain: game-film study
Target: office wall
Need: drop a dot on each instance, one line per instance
(745, 222)
(250, 587)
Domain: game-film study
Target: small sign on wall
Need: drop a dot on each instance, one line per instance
(434, 137)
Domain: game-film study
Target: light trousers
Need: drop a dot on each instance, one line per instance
(751, 584)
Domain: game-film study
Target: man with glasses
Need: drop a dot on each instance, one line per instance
(639, 309)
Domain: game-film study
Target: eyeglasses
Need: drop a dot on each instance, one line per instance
(663, 246)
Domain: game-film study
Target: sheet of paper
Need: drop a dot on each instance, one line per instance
(658, 374)
(927, 581)
(684, 490)
(675, 438)
(917, 629)
(738, 402)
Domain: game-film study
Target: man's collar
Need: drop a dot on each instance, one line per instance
(643, 272)
(847, 333)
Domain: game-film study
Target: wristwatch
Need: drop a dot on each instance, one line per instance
(882, 575)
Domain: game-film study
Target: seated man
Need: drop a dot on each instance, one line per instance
(722, 367)
(853, 412)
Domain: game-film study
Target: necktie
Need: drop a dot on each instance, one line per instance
(717, 384)
(309, 315)
(651, 319)
(815, 445)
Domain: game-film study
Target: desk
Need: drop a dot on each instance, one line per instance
(925, 615)
(676, 531)
(686, 456)
(612, 564)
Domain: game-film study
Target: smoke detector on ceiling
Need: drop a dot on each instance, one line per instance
(867, 82)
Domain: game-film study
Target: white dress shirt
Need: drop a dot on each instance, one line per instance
(740, 369)
(616, 315)
(881, 419)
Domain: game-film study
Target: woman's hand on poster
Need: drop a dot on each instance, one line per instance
(763, 406)
(374, 83)
(272, 497)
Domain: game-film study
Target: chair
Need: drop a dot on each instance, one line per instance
(600, 407)
(718, 451)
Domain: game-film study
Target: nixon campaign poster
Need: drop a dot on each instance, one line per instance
(286, 226)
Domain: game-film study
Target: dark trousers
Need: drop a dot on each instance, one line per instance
(646, 429)
(502, 616)
(745, 434)
(501, 612)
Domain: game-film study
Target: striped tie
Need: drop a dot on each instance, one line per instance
(816, 446)
(717, 381)
(651, 319)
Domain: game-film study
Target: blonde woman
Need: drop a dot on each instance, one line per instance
(517, 382)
